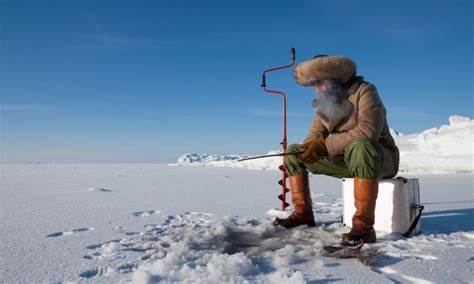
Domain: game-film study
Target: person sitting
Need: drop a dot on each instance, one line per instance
(348, 138)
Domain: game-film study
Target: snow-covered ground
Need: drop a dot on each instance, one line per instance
(204, 220)
(151, 223)
(447, 149)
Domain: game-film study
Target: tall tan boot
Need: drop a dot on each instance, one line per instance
(365, 196)
(303, 207)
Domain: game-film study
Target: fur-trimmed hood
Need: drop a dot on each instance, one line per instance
(339, 68)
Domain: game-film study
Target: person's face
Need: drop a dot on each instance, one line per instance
(320, 86)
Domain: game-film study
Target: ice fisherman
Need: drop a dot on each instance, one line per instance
(348, 137)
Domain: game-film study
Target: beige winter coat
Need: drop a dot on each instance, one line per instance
(367, 120)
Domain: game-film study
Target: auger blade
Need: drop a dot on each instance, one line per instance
(281, 198)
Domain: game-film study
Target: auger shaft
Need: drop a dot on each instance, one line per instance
(284, 142)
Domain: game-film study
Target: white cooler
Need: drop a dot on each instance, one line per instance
(397, 208)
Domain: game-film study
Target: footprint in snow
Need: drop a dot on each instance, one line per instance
(146, 213)
(94, 246)
(390, 271)
(68, 233)
(198, 213)
(127, 267)
(98, 189)
(426, 257)
(89, 273)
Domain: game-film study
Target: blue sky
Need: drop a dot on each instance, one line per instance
(144, 81)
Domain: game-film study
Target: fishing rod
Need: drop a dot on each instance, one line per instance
(267, 156)
(282, 181)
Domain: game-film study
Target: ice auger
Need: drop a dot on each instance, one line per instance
(282, 181)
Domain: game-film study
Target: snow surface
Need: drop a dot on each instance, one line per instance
(156, 223)
(447, 149)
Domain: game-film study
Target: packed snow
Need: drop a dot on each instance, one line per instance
(194, 222)
(447, 149)
(156, 223)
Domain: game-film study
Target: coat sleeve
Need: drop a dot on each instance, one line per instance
(370, 122)
(316, 129)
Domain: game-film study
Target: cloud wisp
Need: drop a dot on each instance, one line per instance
(26, 107)
(116, 41)
(104, 36)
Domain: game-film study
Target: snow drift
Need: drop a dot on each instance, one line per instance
(447, 149)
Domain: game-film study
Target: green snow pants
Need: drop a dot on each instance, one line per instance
(362, 158)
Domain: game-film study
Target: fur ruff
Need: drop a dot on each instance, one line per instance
(339, 68)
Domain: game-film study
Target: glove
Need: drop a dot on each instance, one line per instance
(313, 150)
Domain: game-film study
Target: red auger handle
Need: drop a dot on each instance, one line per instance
(264, 81)
(281, 182)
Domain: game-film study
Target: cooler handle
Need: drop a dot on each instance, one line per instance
(415, 221)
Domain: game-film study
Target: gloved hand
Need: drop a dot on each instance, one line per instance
(313, 150)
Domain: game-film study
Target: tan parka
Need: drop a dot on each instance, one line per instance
(367, 120)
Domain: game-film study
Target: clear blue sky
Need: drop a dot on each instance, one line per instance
(144, 81)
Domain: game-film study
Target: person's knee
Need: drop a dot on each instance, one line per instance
(363, 158)
(362, 144)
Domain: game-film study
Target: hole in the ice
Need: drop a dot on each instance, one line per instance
(249, 243)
